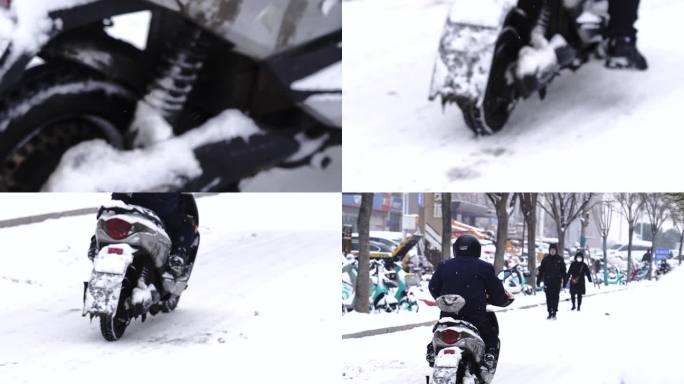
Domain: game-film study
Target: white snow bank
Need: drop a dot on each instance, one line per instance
(97, 166)
(485, 13)
(28, 24)
(328, 78)
(14, 205)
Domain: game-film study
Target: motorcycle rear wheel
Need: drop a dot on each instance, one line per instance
(491, 115)
(112, 327)
(54, 107)
(170, 304)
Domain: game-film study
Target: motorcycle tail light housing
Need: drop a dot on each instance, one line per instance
(118, 229)
(118, 251)
(449, 336)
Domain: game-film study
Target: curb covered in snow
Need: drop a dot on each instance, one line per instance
(46, 216)
(400, 328)
(58, 215)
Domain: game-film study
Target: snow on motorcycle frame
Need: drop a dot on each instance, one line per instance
(133, 253)
(457, 345)
(256, 56)
(494, 52)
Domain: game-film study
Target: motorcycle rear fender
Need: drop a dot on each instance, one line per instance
(17, 55)
(467, 48)
(104, 287)
(448, 357)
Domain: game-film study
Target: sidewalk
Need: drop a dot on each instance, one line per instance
(357, 325)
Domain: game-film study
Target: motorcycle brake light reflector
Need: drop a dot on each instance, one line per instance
(118, 251)
(449, 352)
(117, 229)
(449, 336)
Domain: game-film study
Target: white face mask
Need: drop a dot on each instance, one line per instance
(577, 259)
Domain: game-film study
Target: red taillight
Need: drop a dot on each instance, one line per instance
(449, 352)
(117, 229)
(449, 336)
(118, 251)
(5, 3)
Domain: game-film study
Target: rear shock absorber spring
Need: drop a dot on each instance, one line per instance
(177, 72)
(544, 18)
(146, 273)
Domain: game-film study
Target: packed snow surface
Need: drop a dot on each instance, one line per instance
(626, 336)
(596, 127)
(97, 166)
(257, 304)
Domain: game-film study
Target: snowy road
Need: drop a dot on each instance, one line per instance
(596, 127)
(625, 337)
(241, 319)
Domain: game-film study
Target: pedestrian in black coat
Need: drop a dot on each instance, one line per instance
(576, 273)
(553, 273)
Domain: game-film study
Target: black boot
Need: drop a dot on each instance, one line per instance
(623, 54)
(549, 316)
(430, 355)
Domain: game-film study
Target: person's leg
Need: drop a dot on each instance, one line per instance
(430, 354)
(183, 249)
(579, 301)
(549, 300)
(556, 299)
(572, 298)
(623, 16)
(489, 334)
(622, 35)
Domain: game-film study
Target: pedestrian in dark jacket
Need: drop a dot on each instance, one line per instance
(576, 273)
(474, 280)
(552, 273)
(622, 36)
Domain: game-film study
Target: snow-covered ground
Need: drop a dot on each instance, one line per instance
(627, 336)
(254, 311)
(353, 322)
(596, 127)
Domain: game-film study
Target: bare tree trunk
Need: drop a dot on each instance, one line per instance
(363, 279)
(605, 260)
(528, 205)
(561, 240)
(532, 251)
(446, 226)
(501, 232)
(629, 251)
(681, 239)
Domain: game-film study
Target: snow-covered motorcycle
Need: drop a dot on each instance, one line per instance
(229, 88)
(381, 291)
(459, 349)
(663, 269)
(500, 51)
(130, 277)
(515, 281)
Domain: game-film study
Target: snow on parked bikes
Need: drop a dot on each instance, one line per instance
(237, 316)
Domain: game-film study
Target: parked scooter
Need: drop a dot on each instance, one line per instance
(515, 281)
(663, 269)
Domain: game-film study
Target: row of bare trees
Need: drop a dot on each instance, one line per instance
(562, 208)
